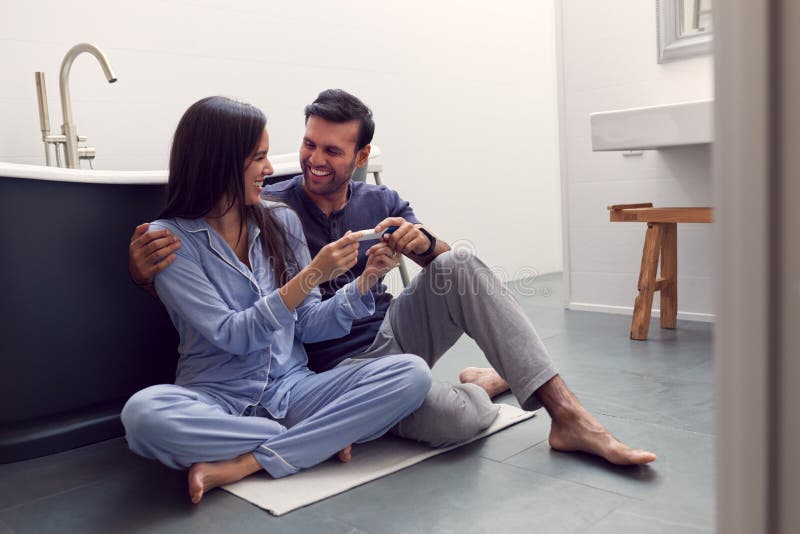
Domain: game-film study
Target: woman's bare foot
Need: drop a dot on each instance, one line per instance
(486, 378)
(346, 454)
(205, 476)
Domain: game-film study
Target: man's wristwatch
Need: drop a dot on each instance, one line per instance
(432, 240)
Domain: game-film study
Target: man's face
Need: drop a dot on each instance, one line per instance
(328, 155)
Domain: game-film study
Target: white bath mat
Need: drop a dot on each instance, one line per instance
(370, 461)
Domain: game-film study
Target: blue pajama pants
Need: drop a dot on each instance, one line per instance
(327, 412)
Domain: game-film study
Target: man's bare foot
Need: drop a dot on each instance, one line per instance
(574, 429)
(579, 431)
(346, 454)
(486, 378)
(205, 476)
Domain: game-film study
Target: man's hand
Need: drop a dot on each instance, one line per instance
(407, 239)
(380, 260)
(150, 253)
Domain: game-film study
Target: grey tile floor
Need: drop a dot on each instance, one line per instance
(656, 394)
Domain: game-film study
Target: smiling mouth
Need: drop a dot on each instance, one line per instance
(319, 173)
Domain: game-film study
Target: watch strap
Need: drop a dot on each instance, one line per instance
(432, 239)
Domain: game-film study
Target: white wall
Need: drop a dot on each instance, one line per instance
(612, 65)
(463, 93)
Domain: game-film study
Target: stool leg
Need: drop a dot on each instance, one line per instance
(669, 272)
(647, 282)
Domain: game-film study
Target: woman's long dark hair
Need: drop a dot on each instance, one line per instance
(214, 139)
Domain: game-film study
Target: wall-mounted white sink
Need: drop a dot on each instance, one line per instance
(686, 123)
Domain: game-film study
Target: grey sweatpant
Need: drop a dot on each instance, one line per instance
(456, 294)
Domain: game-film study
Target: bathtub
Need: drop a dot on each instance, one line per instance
(78, 337)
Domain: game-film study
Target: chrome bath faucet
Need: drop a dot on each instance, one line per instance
(69, 138)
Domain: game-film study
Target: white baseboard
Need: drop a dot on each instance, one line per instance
(628, 310)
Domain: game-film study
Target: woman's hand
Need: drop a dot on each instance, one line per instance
(336, 258)
(332, 260)
(380, 260)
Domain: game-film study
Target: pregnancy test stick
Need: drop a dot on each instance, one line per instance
(369, 234)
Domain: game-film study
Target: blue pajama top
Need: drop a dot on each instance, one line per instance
(238, 341)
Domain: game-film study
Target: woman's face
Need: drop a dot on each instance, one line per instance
(256, 168)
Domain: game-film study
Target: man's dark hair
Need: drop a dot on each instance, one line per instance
(336, 105)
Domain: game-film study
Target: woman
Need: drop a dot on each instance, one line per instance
(242, 295)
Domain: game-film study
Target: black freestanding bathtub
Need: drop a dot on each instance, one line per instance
(78, 338)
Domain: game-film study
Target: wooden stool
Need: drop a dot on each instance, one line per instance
(661, 241)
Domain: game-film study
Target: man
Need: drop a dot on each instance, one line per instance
(454, 293)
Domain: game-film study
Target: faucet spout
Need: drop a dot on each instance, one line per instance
(68, 127)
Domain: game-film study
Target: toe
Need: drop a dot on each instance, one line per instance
(195, 484)
(345, 455)
(467, 375)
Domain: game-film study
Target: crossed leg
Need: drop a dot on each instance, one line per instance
(186, 428)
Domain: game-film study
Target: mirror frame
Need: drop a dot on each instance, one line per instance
(671, 45)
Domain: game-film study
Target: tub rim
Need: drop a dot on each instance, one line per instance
(283, 165)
